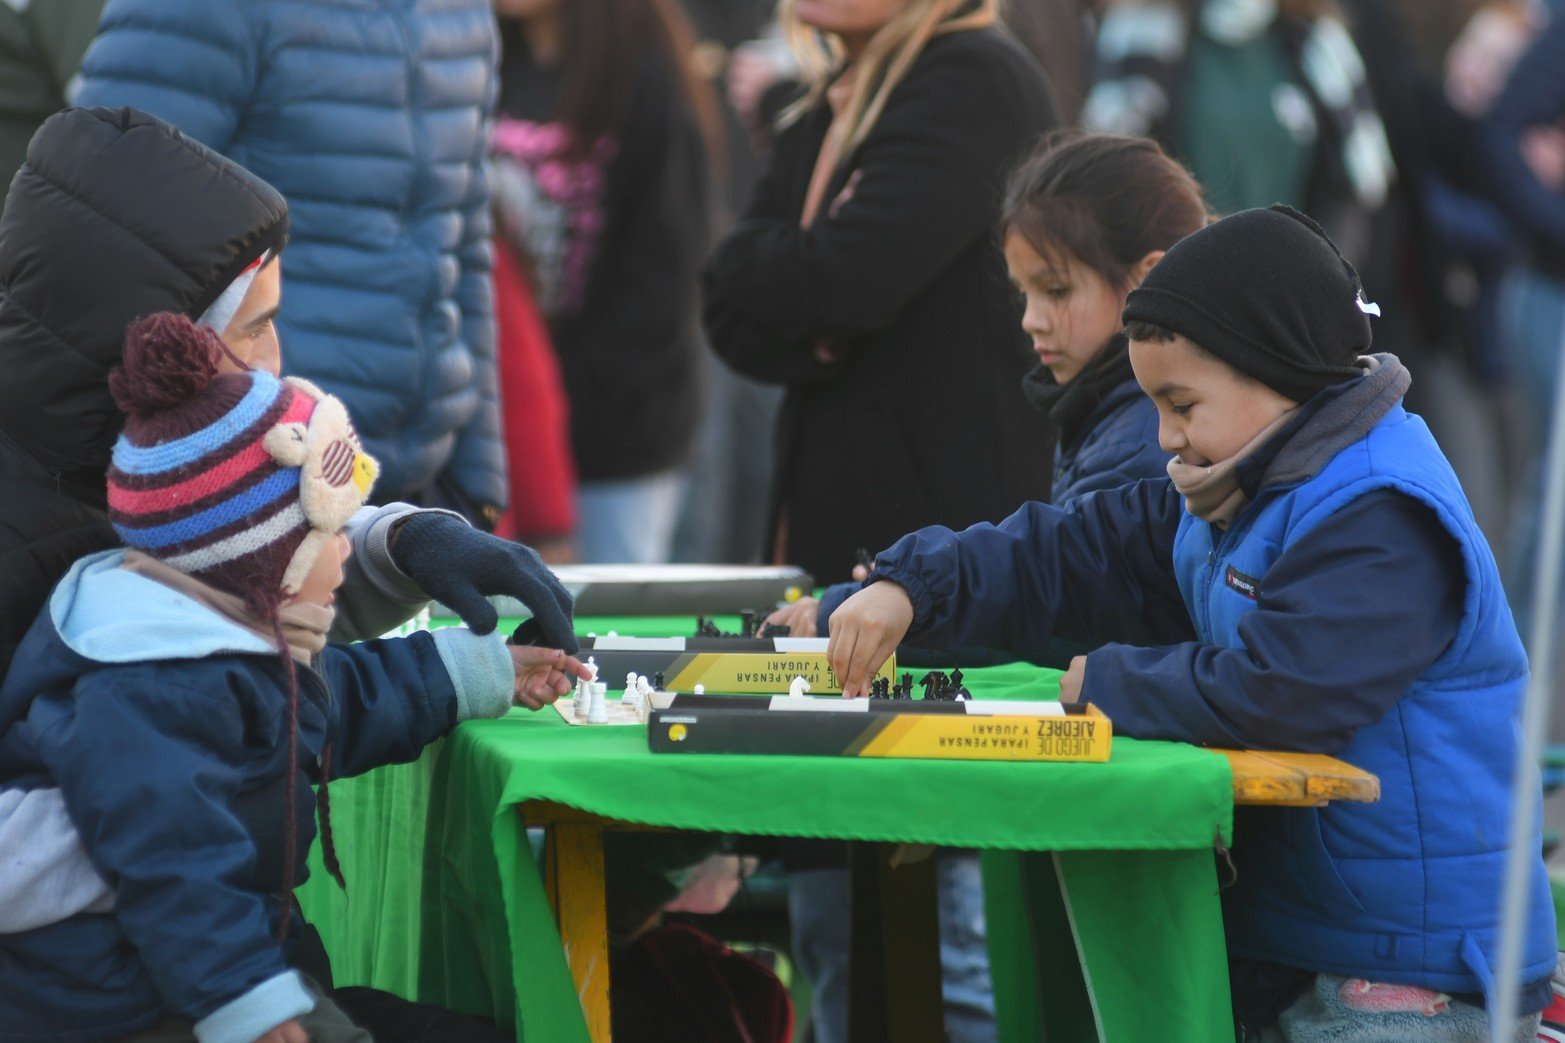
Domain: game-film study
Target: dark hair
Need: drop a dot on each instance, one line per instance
(602, 39)
(1106, 199)
(1140, 329)
(1151, 332)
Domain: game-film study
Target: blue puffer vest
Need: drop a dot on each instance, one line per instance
(1407, 889)
(369, 117)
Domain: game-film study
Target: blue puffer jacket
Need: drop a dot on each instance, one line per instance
(370, 117)
(154, 743)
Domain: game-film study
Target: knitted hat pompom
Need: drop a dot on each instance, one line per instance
(168, 360)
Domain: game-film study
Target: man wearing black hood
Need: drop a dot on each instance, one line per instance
(117, 215)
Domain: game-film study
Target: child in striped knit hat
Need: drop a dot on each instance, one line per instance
(181, 695)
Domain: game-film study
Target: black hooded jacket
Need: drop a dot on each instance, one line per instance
(115, 215)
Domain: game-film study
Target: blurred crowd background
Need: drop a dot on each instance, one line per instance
(1428, 136)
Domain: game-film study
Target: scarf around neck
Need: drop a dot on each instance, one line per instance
(304, 626)
(1070, 405)
(1296, 445)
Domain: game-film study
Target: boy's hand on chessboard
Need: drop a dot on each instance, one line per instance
(543, 675)
(864, 632)
(289, 1031)
(798, 617)
(1070, 680)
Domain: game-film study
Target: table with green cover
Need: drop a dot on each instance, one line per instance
(1094, 873)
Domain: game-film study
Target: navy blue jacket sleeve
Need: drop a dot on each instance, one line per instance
(149, 767)
(1099, 569)
(390, 699)
(831, 600)
(1346, 619)
(1534, 96)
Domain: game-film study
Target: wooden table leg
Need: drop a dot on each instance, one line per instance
(895, 992)
(573, 878)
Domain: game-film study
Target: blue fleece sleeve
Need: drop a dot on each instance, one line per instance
(149, 769)
(192, 63)
(1100, 569)
(1345, 621)
(390, 699)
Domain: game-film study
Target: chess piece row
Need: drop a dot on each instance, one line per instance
(751, 624)
(937, 685)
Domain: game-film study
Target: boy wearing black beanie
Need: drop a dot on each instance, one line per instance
(1309, 578)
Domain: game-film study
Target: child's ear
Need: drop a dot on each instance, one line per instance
(1144, 266)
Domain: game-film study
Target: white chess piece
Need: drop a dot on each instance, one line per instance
(592, 668)
(699, 689)
(599, 714)
(644, 687)
(798, 687)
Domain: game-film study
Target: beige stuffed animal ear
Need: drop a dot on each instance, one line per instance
(306, 386)
(288, 444)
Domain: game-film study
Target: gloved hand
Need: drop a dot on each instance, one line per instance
(459, 567)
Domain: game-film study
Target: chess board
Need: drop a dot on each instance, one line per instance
(619, 713)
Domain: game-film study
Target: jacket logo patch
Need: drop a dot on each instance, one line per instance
(1249, 586)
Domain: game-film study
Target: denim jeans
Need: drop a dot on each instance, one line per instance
(818, 912)
(629, 521)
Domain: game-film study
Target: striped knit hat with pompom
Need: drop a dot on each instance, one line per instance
(237, 479)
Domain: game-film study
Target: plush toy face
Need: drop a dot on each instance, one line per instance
(335, 473)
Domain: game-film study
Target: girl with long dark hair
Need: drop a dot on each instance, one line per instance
(602, 184)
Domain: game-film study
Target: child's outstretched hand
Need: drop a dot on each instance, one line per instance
(543, 675)
(865, 631)
(798, 617)
(289, 1031)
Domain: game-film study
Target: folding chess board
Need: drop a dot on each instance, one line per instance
(934, 729)
(727, 663)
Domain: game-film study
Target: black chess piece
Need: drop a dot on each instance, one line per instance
(934, 684)
(904, 689)
(774, 630)
(657, 681)
(747, 624)
(956, 678)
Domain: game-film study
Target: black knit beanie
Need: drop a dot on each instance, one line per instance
(1268, 293)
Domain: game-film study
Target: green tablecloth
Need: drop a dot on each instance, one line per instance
(445, 902)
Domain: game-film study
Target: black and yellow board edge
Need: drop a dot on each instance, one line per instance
(751, 673)
(1086, 736)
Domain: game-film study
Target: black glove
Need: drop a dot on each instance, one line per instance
(459, 567)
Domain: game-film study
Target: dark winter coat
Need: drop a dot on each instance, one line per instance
(614, 238)
(114, 215)
(1534, 96)
(41, 47)
(917, 419)
(370, 117)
